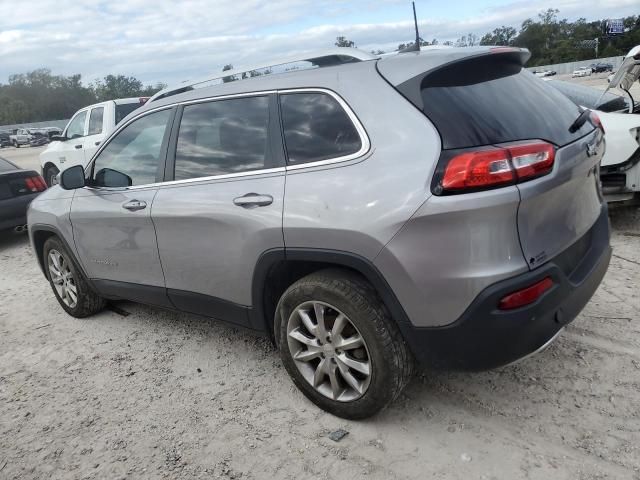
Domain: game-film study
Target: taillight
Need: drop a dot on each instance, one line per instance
(526, 295)
(35, 184)
(532, 159)
(490, 167)
(595, 120)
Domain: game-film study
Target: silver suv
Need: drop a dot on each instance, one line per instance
(438, 208)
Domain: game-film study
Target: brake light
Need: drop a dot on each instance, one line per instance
(532, 160)
(491, 167)
(595, 120)
(525, 296)
(35, 184)
(478, 169)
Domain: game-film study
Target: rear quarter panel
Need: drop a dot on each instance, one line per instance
(357, 206)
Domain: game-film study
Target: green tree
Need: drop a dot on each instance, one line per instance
(230, 78)
(500, 36)
(344, 42)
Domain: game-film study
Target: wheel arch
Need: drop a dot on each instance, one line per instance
(277, 269)
(39, 235)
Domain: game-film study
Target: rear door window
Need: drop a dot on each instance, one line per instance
(95, 121)
(222, 137)
(486, 101)
(316, 127)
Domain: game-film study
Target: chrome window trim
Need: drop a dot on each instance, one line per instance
(364, 139)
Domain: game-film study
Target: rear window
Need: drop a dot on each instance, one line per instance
(487, 100)
(124, 109)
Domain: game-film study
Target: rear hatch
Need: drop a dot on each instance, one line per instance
(487, 101)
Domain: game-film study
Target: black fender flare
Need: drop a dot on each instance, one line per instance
(332, 257)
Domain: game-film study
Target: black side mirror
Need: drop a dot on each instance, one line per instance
(58, 138)
(108, 177)
(72, 178)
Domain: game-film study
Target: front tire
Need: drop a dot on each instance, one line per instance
(69, 286)
(340, 346)
(51, 176)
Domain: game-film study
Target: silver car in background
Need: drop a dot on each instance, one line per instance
(438, 208)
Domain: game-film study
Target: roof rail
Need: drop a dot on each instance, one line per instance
(324, 58)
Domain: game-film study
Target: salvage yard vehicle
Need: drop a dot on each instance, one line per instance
(582, 72)
(21, 137)
(84, 133)
(18, 188)
(620, 117)
(5, 139)
(466, 236)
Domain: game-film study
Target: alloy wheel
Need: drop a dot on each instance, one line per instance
(329, 351)
(62, 278)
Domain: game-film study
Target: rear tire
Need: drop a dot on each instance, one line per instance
(67, 281)
(353, 370)
(50, 175)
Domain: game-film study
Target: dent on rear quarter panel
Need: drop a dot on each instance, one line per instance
(358, 206)
(452, 249)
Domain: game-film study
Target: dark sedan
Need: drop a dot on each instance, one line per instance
(17, 188)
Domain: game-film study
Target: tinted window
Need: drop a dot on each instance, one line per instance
(76, 127)
(486, 101)
(227, 136)
(95, 121)
(134, 151)
(316, 128)
(124, 109)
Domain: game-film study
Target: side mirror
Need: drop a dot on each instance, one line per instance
(72, 178)
(58, 138)
(108, 177)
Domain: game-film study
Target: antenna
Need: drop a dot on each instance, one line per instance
(416, 46)
(415, 22)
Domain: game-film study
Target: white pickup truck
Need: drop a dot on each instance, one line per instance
(21, 137)
(84, 133)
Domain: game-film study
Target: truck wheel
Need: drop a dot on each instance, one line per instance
(16, 144)
(67, 282)
(51, 176)
(340, 345)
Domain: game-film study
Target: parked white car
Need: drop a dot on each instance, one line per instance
(582, 72)
(84, 133)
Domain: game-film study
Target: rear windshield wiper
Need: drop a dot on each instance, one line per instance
(580, 121)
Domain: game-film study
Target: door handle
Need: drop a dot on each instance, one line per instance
(78, 146)
(135, 205)
(253, 200)
(97, 143)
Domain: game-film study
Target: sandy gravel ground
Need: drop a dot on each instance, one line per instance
(158, 394)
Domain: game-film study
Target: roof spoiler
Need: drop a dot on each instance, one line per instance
(406, 72)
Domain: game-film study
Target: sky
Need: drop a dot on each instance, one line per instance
(171, 41)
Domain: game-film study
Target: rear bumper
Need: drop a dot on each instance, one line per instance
(485, 337)
(13, 211)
